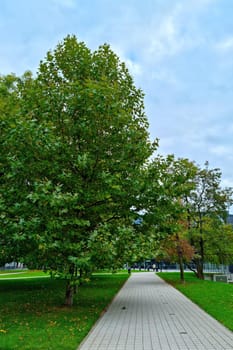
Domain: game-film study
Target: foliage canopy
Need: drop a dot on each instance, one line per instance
(74, 140)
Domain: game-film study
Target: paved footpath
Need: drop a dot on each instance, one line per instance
(148, 314)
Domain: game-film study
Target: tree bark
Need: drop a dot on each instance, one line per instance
(200, 261)
(200, 264)
(69, 294)
(200, 272)
(180, 258)
(181, 264)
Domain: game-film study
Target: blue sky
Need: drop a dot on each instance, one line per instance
(180, 53)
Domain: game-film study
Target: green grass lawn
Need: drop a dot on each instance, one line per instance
(32, 315)
(22, 274)
(216, 298)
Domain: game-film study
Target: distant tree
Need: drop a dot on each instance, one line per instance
(178, 191)
(207, 208)
(218, 242)
(73, 153)
(176, 248)
(167, 181)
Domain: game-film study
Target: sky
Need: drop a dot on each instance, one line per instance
(179, 52)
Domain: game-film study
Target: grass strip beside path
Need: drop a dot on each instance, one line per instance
(23, 274)
(32, 315)
(216, 298)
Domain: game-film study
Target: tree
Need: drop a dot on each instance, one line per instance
(73, 156)
(176, 248)
(218, 242)
(167, 181)
(8, 111)
(206, 206)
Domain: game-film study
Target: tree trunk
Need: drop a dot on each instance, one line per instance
(181, 264)
(180, 258)
(69, 294)
(200, 272)
(200, 263)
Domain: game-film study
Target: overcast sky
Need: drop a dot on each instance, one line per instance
(180, 53)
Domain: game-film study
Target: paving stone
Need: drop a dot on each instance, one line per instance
(149, 314)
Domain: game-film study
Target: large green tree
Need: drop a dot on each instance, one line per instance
(72, 157)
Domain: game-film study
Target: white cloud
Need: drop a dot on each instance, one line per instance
(225, 45)
(166, 39)
(178, 30)
(134, 68)
(168, 76)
